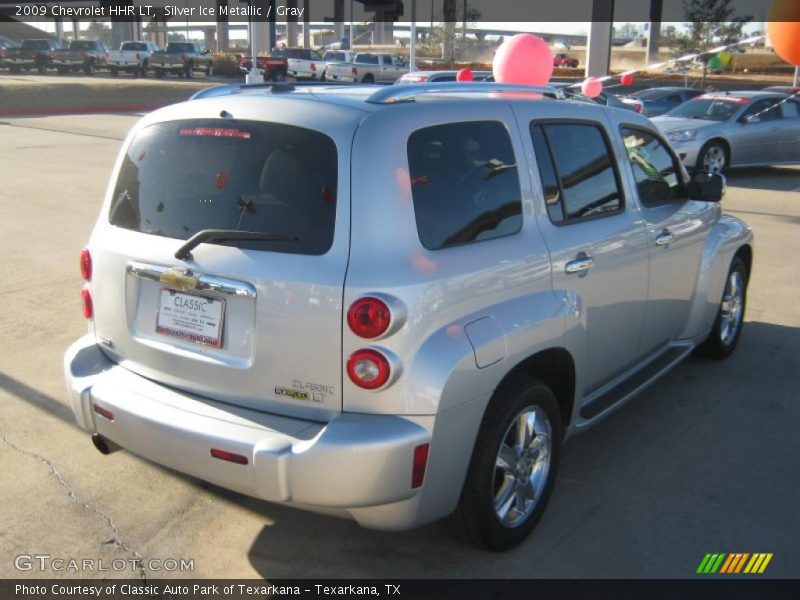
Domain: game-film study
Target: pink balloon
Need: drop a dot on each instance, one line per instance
(464, 74)
(523, 59)
(592, 87)
(626, 79)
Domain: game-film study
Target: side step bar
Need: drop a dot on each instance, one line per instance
(628, 386)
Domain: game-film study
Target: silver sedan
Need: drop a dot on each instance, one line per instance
(734, 129)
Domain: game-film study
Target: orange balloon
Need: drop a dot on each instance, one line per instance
(783, 28)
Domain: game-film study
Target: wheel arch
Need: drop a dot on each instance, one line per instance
(556, 368)
(724, 143)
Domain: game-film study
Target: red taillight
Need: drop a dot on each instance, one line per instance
(229, 456)
(369, 317)
(368, 369)
(637, 107)
(84, 55)
(103, 412)
(183, 57)
(355, 71)
(88, 308)
(419, 465)
(51, 54)
(86, 265)
(313, 67)
(137, 56)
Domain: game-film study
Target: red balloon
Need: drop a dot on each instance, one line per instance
(524, 59)
(592, 87)
(464, 74)
(626, 79)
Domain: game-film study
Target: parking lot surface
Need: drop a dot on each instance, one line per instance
(704, 461)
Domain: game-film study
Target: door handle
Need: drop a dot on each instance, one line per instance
(579, 265)
(665, 238)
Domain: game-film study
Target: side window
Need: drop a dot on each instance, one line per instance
(658, 176)
(790, 109)
(464, 183)
(315, 55)
(763, 111)
(674, 99)
(580, 161)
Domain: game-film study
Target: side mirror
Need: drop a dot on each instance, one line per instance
(706, 186)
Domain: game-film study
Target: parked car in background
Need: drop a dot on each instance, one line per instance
(735, 129)
(4, 48)
(32, 54)
(182, 59)
(656, 101)
(782, 89)
(604, 98)
(351, 301)
(302, 63)
(273, 68)
(335, 56)
(132, 57)
(369, 67)
(81, 55)
(439, 76)
(564, 60)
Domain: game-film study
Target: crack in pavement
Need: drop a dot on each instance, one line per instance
(116, 540)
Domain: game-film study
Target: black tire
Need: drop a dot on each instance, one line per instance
(280, 76)
(210, 70)
(88, 69)
(368, 78)
(721, 342)
(114, 72)
(41, 68)
(712, 151)
(62, 70)
(142, 70)
(476, 519)
(160, 73)
(187, 70)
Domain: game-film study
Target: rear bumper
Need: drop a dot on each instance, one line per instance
(354, 463)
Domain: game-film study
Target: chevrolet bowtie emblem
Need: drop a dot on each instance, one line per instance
(178, 280)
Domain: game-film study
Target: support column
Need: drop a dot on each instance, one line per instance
(654, 31)
(76, 29)
(257, 33)
(598, 48)
(338, 19)
(306, 20)
(59, 28)
(291, 25)
(223, 33)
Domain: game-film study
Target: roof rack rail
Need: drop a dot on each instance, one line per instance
(407, 93)
(237, 88)
(272, 86)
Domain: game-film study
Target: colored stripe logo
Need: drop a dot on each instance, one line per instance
(734, 562)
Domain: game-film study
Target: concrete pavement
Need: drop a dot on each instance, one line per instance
(704, 461)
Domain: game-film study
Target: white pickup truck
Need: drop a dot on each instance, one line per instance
(335, 56)
(368, 67)
(132, 57)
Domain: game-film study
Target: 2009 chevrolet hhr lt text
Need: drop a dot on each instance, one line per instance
(394, 304)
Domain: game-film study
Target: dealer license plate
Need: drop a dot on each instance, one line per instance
(192, 318)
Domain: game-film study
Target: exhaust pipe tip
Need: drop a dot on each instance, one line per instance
(103, 445)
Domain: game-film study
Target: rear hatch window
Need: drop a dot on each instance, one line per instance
(181, 177)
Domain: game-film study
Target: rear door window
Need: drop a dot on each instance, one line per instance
(588, 182)
(181, 177)
(464, 183)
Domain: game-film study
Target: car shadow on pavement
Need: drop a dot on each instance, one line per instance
(616, 488)
(778, 179)
(634, 485)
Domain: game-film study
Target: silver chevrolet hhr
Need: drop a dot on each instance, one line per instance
(394, 304)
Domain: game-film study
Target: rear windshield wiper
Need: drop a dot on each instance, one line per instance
(224, 235)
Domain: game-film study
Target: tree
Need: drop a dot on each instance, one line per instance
(98, 31)
(710, 23)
